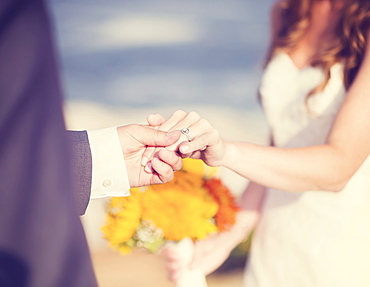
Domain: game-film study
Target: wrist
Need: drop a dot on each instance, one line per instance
(230, 151)
(122, 135)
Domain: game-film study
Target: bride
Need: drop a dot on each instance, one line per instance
(308, 201)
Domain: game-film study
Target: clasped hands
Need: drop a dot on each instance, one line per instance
(198, 139)
(153, 152)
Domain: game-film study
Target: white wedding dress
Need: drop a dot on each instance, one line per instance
(314, 238)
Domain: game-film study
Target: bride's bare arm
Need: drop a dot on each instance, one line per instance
(323, 167)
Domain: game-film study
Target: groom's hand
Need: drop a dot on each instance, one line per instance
(134, 141)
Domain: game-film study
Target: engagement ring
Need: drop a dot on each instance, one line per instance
(185, 131)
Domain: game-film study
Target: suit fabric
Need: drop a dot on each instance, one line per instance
(42, 243)
(81, 165)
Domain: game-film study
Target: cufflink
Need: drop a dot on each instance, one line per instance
(107, 183)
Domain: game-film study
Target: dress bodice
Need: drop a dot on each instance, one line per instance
(284, 89)
(312, 238)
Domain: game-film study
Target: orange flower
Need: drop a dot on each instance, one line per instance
(227, 207)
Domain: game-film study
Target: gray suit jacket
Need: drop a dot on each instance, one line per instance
(42, 243)
(81, 168)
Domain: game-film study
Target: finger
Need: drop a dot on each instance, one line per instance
(171, 158)
(186, 121)
(178, 121)
(175, 273)
(169, 253)
(174, 265)
(195, 127)
(193, 154)
(174, 268)
(153, 137)
(155, 120)
(170, 258)
(149, 169)
(173, 120)
(198, 144)
(163, 170)
(147, 155)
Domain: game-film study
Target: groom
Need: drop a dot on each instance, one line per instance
(42, 243)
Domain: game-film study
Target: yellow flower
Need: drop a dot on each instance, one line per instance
(192, 205)
(123, 218)
(179, 213)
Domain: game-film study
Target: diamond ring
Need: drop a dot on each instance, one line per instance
(185, 131)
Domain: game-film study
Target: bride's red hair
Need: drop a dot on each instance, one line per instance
(348, 46)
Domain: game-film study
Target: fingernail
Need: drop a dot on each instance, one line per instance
(148, 168)
(184, 149)
(152, 116)
(171, 133)
(144, 161)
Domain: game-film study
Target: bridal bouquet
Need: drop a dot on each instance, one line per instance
(193, 205)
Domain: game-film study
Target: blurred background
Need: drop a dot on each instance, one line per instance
(122, 60)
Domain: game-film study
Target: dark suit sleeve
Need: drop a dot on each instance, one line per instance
(81, 168)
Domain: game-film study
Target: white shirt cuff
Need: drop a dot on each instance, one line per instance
(109, 173)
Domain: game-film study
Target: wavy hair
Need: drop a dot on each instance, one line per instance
(348, 46)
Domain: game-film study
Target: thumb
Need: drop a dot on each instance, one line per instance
(155, 120)
(154, 137)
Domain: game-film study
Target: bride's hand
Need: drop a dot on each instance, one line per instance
(208, 255)
(199, 140)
